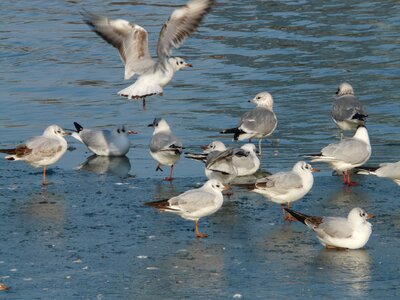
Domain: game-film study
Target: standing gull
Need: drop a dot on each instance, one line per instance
(195, 204)
(165, 147)
(257, 123)
(131, 40)
(352, 232)
(388, 170)
(347, 111)
(346, 154)
(104, 142)
(41, 151)
(286, 187)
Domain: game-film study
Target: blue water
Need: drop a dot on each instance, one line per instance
(88, 236)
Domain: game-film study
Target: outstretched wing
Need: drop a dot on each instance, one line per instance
(182, 23)
(130, 39)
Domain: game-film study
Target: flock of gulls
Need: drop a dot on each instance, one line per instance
(222, 165)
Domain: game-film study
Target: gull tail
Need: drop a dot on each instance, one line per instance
(358, 116)
(162, 205)
(236, 132)
(78, 127)
(140, 90)
(298, 216)
(366, 170)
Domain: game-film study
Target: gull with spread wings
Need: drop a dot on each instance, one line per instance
(131, 40)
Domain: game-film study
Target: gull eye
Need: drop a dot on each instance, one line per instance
(218, 186)
(258, 98)
(181, 62)
(118, 130)
(123, 130)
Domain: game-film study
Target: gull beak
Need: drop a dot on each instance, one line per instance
(314, 170)
(66, 133)
(370, 216)
(227, 187)
(132, 132)
(204, 147)
(188, 65)
(150, 125)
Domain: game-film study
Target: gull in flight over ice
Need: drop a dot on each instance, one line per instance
(41, 151)
(352, 232)
(131, 40)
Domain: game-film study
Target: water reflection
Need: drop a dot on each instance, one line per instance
(351, 267)
(118, 165)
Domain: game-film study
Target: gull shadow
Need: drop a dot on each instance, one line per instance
(114, 165)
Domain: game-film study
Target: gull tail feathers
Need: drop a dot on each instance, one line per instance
(162, 205)
(366, 170)
(140, 90)
(236, 132)
(78, 127)
(298, 216)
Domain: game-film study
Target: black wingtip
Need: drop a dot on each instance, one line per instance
(78, 127)
(298, 216)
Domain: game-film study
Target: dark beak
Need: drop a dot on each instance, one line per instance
(189, 65)
(204, 147)
(150, 125)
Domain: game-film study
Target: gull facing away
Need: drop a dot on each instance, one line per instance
(131, 40)
(104, 142)
(165, 147)
(346, 154)
(194, 204)
(347, 111)
(286, 187)
(352, 232)
(388, 170)
(257, 123)
(41, 151)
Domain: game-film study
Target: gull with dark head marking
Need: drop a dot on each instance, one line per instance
(352, 232)
(346, 154)
(104, 142)
(165, 147)
(347, 111)
(387, 170)
(131, 40)
(41, 151)
(257, 123)
(286, 187)
(194, 204)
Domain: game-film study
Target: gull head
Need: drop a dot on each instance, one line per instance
(358, 216)
(249, 147)
(214, 146)
(302, 166)
(216, 185)
(179, 63)
(344, 89)
(55, 130)
(263, 99)
(159, 124)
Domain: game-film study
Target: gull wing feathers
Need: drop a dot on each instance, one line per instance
(131, 41)
(182, 23)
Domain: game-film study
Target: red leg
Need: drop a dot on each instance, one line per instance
(169, 178)
(349, 182)
(198, 233)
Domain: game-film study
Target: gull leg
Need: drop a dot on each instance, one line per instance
(284, 212)
(44, 176)
(259, 148)
(144, 103)
(349, 182)
(198, 234)
(290, 218)
(345, 177)
(169, 178)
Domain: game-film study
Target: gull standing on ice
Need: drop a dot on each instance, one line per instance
(104, 142)
(165, 147)
(347, 111)
(352, 232)
(388, 170)
(195, 204)
(131, 40)
(41, 151)
(257, 123)
(286, 187)
(346, 154)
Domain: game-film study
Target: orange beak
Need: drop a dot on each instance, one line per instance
(370, 216)
(226, 187)
(189, 65)
(313, 170)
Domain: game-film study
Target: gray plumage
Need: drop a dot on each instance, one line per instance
(261, 121)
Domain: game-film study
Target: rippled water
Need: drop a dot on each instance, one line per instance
(89, 236)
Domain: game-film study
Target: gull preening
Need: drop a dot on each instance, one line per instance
(286, 187)
(257, 123)
(387, 170)
(347, 111)
(352, 232)
(104, 142)
(131, 40)
(194, 204)
(346, 154)
(41, 151)
(165, 147)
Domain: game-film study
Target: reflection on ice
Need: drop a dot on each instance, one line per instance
(117, 165)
